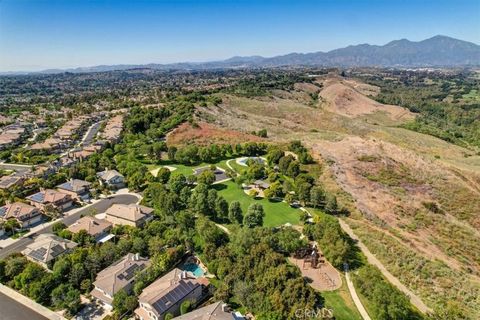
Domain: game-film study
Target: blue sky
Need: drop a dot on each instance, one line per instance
(39, 34)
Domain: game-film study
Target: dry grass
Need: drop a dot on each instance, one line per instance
(204, 133)
(389, 193)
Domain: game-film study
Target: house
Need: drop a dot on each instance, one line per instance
(97, 228)
(165, 295)
(76, 188)
(50, 198)
(26, 215)
(47, 248)
(120, 275)
(6, 182)
(215, 311)
(112, 178)
(128, 214)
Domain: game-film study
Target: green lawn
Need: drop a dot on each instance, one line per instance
(188, 170)
(276, 213)
(341, 303)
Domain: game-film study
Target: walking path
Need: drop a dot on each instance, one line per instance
(414, 299)
(45, 312)
(356, 299)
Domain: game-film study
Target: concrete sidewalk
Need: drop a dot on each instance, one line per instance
(356, 299)
(28, 303)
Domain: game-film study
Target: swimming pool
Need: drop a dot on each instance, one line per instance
(193, 268)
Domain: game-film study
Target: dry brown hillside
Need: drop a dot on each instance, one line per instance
(415, 199)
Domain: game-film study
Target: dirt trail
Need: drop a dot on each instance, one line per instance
(414, 299)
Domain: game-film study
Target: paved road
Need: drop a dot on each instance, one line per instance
(100, 206)
(414, 299)
(91, 133)
(13, 310)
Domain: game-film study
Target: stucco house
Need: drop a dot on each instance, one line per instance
(128, 214)
(26, 215)
(48, 197)
(120, 275)
(47, 248)
(112, 179)
(165, 295)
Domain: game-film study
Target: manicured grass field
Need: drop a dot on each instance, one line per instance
(276, 213)
(188, 170)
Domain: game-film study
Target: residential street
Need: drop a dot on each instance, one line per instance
(13, 310)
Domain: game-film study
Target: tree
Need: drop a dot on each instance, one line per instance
(66, 297)
(289, 198)
(221, 208)
(305, 158)
(303, 192)
(253, 193)
(207, 177)
(254, 216)
(15, 266)
(11, 225)
(284, 162)
(293, 169)
(274, 156)
(177, 182)
(262, 133)
(235, 214)
(83, 238)
(317, 196)
(331, 205)
(57, 227)
(274, 191)
(123, 302)
(199, 199)
(172, 151)
(255, 171)
(163, 175)
(185, 306)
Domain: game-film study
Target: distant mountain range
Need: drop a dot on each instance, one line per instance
(439, 51)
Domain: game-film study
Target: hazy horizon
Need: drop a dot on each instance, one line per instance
(51, 34)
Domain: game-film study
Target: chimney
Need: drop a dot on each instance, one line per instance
(136, 257)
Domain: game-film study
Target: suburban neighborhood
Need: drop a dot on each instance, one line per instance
(336, 184)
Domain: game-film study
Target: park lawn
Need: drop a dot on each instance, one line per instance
(341, 303)
(188, 170)
(276, 213)
(238, 168)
